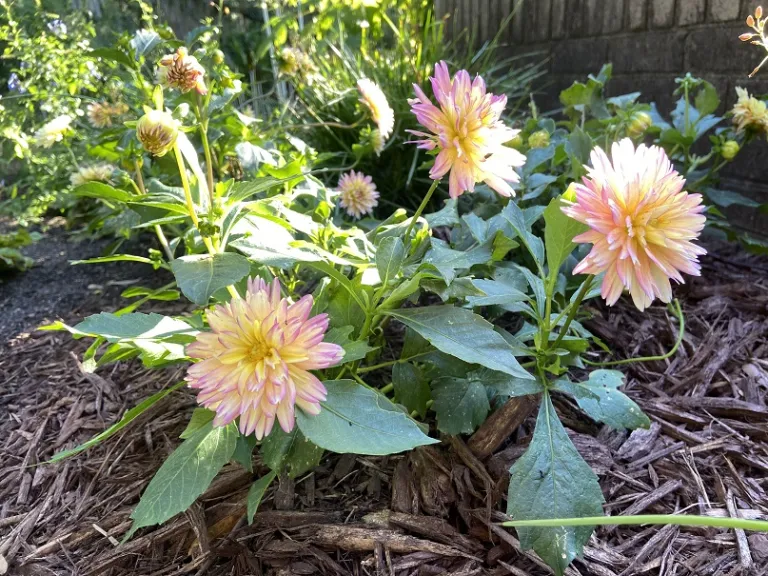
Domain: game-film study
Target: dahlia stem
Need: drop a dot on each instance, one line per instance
(158, 230)
(574, 309)
(203, 119)
(678, 312)
(667, 519)
(421, 207)
(192, 212)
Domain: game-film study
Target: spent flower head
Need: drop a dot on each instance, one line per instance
(358, 194)
(99, 114)
(376, 102)
(255, 362)
(96, 173)
(53, 131)
(181, 71)
(749, 113)
(157, 131)
(642, 224)
(758, 37)
(466, 128)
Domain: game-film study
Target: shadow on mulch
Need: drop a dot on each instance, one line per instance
(53, 287)
(433, 511)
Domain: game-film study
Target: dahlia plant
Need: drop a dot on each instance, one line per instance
(296, 305)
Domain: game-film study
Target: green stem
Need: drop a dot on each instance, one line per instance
(387, 389)
(192, 211)
(158, 230)
(365, 369)
(421, 207)
(666, 519)
(678, 312)
(203, 118)
(574, 309)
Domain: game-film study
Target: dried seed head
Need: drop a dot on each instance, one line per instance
(181, 71)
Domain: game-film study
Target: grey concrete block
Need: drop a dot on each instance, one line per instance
(648, 52)
(723, 10)
(663, 13)
(613, 16)
(717, 48)
(638, 14)
(690, 12)
(558, 19)
(579, 55)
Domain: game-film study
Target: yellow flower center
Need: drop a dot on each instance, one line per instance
(259, 351)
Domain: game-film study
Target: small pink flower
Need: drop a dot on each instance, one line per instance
(642, 223)
(358, 194)
(468, 131)
(255, 361)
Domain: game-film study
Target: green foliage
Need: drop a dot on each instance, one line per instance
(362, 421)
(11, 257)
(551, 480)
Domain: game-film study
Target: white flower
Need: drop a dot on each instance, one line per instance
(53, 131)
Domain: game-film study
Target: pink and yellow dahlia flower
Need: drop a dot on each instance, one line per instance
(255, 361)
(641, 222)
(466, 128)
(358, 194)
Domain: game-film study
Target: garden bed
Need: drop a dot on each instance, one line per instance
(432, 511)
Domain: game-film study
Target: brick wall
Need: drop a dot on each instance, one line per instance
(649, 42)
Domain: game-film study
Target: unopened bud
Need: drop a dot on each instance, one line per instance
(218, 57)
(730, 149)
(640, 122)
(539, 139)
(516, 142)
(759, 12)
(746, 37)
(570, 193)
(750, 21)
(157, 131)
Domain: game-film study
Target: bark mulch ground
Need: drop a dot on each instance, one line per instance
(434, 511)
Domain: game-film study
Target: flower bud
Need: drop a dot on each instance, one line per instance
(640, 122)
(730, 149)
(539, 139)
(750, 21)
(516, 142)
(181, 71)
(759, 12)
(746, 37)
(218, 57)
(157, 132)
(570, 192)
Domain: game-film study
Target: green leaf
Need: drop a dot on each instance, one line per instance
(448, 261)
(243, 190)
(144, 40)
(551, 480)
(243, 453)
(461, 405)
(504, 384)
(390, 255)
(516, 219)
(411, 387)
(103, 192)
(290, 451)
(256, 493)
(601, 399)
(706, 100)
(447, 216)
(115, 258)
(185, 475)
(462, 334)
(508, 287)
(353, 349)
(200, 417)
(359, 420)
(725, 198)
(127, 418)
(558, 234)
(200, 275)
(136, 326)
(345, 282)
(580, 145)
(113, 55)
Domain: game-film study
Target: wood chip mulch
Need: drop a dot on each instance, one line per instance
(433, 511)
